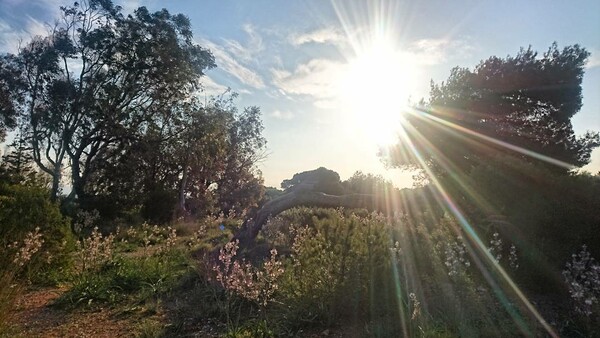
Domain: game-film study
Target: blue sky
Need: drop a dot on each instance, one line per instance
(310, 65)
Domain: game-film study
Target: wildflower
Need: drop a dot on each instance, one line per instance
(95, 250)
(31, 244)
(456, 257)
(495, 248)
(396, 250)
(512, 257)
(243, 279)
(416, 306)
(582, 275)
(197, 236)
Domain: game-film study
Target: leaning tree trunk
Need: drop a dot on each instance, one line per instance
(252, 226)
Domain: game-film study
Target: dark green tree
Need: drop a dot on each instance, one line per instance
(526, 101)
(97, 82)
(9, 78)
(320, 179)
(202, 160)
(362, 183)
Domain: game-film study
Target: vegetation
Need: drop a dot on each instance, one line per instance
(106, 94)
(525, 101)
(499, 239)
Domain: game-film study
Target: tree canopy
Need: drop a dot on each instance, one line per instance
(110, 101)
(320, 179)
(526, 101)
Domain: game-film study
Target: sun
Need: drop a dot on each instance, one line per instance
(375, 89)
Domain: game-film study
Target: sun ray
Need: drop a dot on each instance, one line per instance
(378, 77)
(426, 114)
(446, 201)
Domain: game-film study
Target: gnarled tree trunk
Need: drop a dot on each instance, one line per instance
(252, 226)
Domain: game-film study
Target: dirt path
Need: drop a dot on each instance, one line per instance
(33, 317)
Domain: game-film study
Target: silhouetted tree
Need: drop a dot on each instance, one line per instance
(201, 161)
(9, 78)
(362, 183)
(319, 180)
(98, 80)
(527, 101)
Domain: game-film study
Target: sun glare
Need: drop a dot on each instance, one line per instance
(375, 88)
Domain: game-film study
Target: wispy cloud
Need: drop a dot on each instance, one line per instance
(212, 88)
(437, 51)
(322, 36)
(11, 37)
(236, 58)
(594, 59)
(230, 64)
(315, 78)
(282, 115)
(246, 52)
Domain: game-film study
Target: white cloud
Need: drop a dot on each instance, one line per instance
(437, 51)
(246, 52)
(315, 78)
(325, 35)
(228, 63)
(11, 37)
(282, 115)
(594, 59)
(212, 88)
(235, 58)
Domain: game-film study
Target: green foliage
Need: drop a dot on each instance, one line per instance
(270, 194)
(320, 179)
(388, 276)
(22, 210)
(523, 202)
(140, 69)
(527, 100)
(252, 329)
(127, 278)
(132, 128)
(438, 262)
(158, 206)
(338, 268)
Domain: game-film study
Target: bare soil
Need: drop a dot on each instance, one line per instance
(34, 317)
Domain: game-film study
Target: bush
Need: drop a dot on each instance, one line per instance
(102, 275)
(18, 260)
(23, 209)
(390, 276)
(339, 268)
(546, 215)
(126, 278)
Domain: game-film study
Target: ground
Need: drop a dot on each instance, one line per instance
(34, 317)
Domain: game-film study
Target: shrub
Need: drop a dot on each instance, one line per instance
(20, 257)
(101, 275)
(24, 208)
(339, 267)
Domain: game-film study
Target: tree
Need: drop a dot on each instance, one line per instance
(362, 183)
(526, 101)
(9, 78)
(97, 82)
(199, 161)
(17, 166)
(320, 179)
